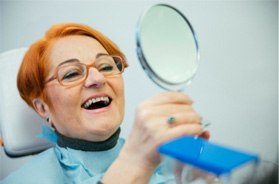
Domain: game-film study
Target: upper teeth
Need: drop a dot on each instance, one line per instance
(94, 100)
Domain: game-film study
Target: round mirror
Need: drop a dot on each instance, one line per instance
(167, 47)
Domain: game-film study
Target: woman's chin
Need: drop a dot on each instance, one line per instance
(103, 133)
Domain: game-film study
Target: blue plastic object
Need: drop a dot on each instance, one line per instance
(205, 155)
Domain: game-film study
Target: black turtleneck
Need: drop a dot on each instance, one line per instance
(85, 145)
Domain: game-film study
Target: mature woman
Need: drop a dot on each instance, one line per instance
(72, 78)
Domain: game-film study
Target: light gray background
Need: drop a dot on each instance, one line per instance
(236, 87)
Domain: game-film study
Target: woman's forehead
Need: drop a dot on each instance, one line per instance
(84, 48)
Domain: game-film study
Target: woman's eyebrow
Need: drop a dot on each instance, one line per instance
(101, 54)
(73, 60)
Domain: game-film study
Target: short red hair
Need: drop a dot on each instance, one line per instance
(35, 65)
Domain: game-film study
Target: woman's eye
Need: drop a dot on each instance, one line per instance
(106, 68)
(72, 75)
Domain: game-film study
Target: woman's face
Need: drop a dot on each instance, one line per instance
(67, 112)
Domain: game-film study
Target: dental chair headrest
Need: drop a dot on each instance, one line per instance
(20, 125)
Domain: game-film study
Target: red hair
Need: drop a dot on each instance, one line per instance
(35, 65)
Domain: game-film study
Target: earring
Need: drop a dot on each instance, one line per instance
(50, 125)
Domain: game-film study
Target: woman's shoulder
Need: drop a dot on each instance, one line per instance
(43, 168)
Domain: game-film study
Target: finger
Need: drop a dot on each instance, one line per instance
(185, 118)
(169, 98)
(182, 130)
(147, 113)
(169, 109)
(175, 119)
(205, 135)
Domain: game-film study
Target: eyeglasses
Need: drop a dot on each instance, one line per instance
(73, 72)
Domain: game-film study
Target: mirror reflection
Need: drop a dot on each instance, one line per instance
(167, 47)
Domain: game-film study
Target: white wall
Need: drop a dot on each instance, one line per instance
(236, 87)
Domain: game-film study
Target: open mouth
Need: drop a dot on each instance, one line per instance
(96, 103)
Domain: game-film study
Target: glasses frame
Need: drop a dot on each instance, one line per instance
(87, 66)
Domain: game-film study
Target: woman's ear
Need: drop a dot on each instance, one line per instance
(41, 107)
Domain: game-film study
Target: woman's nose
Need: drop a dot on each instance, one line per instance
(94, 78)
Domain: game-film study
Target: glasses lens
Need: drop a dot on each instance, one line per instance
(72, 73)
(109, 65)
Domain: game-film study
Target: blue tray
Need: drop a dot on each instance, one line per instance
(205, 155)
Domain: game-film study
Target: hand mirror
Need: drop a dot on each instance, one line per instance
(167, 47)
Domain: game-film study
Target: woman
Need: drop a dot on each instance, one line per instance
(72, 78)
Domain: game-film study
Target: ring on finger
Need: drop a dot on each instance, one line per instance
(171, 120)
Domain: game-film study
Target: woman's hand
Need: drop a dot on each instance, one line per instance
(139, 155)
(151, 127)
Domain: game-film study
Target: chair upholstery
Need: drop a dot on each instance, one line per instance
(19, 124)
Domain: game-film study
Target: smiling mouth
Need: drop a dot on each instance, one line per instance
(96, 103)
